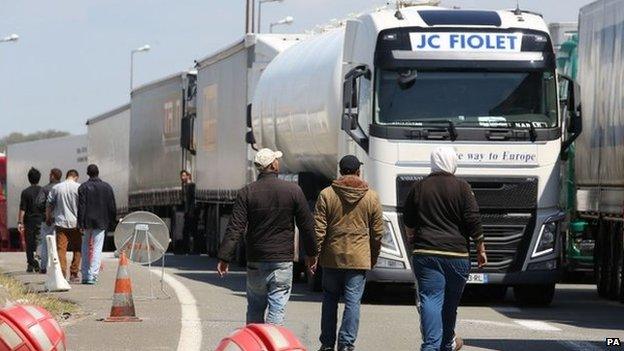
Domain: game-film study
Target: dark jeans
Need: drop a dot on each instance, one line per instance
(349, 284)
(31, 237)
(441, 283)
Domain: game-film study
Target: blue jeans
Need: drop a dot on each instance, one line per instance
(92, 243)
(349, 284)
(441, 283)
(43, 245)
(268, 287)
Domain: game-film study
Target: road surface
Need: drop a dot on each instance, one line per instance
(204, 308)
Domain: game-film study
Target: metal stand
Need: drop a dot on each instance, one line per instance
(146, 246)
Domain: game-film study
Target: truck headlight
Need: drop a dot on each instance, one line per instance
(546, 239)
(388, 241)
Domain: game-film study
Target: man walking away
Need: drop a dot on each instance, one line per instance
(97, 213)
(264, 212)
(349, 228)
(62, 212)
(42, 201)
(441, 215)
(29, 218)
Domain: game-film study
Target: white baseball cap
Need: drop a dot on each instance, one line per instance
(264, 157)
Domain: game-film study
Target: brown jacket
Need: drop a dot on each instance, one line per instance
(349, 225)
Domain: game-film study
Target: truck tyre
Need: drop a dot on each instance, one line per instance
(534, 295)
(601, 261)
(616, 262)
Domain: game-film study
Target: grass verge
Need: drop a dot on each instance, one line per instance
(14, 291)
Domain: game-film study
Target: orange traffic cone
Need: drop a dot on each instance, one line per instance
(123, 305)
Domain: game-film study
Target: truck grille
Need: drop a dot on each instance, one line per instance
(504, 234)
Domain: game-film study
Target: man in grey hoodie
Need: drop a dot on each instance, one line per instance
(349, 227)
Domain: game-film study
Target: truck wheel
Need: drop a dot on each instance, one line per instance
(534, 295)
(601, 261)
(315, 282)
(616, 263)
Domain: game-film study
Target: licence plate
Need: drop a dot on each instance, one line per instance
(477, 278)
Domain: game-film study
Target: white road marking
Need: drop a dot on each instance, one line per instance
(491, 323)
(537, 325)
(579, 345)
(191, 328)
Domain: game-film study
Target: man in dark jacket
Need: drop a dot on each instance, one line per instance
(42, 201)
(30, 218)
(97, 213)
(349, 227)
(441, 215)
(264, 212)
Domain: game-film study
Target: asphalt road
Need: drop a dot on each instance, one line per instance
(204, 308)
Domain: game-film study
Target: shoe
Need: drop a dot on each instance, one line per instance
(43, 271)
(30, 269)
(74, 279)
(326, 348)
(346, 348)
(459, 343)
(89, 282)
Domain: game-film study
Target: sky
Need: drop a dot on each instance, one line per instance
(72, 61)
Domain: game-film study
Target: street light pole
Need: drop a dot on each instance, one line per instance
(260, 12)
(10, 38)
(288, 20)
(143, 48)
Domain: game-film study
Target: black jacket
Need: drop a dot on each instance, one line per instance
(96, 205)
(264, 211)
(443, 210)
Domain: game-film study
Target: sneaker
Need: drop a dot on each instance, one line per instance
(30, 269)
(89, 282)
(346, 348)
(326, 348)
(74, 279)
(43, 271)
(458, 343)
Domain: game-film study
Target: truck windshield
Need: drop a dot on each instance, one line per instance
(470, 99)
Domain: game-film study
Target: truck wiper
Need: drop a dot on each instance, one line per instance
(450, 126)
(515, 125)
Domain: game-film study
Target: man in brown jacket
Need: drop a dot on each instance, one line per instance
(349, 227)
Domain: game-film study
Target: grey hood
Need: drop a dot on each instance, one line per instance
(444, 159)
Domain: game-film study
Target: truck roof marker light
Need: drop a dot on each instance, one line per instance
(390, 37)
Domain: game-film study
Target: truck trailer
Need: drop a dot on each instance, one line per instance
(391, 85)
(160, 146)
(599, 159)
(226, 82)
(65, 153)
(108, 137)
(4, 231)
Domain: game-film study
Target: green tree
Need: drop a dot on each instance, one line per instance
(15, 138)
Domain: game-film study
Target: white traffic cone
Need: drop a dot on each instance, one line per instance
(55, 281)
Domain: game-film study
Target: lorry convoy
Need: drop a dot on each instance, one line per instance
(389, 86)
(599, 157)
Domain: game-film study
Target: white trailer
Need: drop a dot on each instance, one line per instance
(417, 78)
(226, 81)
(64, 153)
(108, 137)
(161, 115)
(599, 160)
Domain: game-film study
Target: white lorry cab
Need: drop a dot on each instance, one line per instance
(391, 85)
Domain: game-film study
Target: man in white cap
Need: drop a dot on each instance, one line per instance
(263, 212)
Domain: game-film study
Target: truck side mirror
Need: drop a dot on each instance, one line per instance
(573, 108)
(250, 139)
(350, 96)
